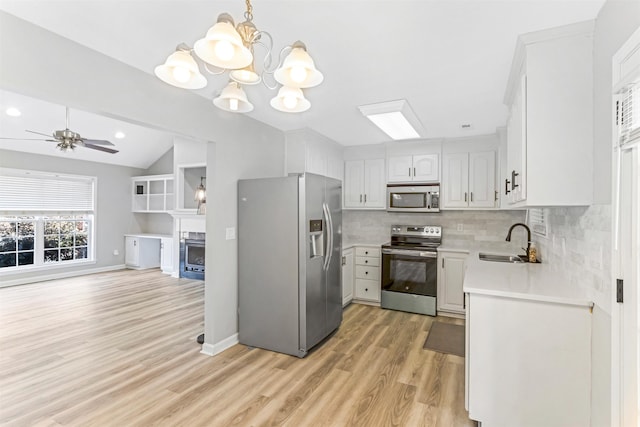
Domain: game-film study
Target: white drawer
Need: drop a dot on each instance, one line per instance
(370, 273)
(367, 290)
(366, 251)
(367, 260)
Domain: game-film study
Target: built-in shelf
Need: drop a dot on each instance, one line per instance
(153, 193)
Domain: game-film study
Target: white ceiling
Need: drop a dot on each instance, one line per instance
(139, 148)
(450, 59)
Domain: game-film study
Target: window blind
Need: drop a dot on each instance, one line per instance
(33, 191)
(628, 116)
(538, 221)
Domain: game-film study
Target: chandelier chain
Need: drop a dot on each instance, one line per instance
(248, 14)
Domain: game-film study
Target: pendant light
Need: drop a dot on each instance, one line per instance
(290, 100)
(233, 99)
(298, 69)
(181, 70)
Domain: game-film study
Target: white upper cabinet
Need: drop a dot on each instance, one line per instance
(309, 151)
(549, 131)
(423, 167)
(364, 186)
(482, 180)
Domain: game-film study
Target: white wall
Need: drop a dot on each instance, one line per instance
(113, 213)
(40, 64)
(587, 231)
(253, 154)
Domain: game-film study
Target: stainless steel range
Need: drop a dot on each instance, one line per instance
(410, 270)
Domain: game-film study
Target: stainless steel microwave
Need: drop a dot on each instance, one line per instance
(413, 198)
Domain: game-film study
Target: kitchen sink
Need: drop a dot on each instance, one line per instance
(501, 258)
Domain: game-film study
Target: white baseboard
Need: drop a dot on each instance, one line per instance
(213, 349)
(61, 275)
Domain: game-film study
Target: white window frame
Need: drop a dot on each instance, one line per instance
(50, 207)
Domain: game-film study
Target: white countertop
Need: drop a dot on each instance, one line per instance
(536, 282)
(149, 235)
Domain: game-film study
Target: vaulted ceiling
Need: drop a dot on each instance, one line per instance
(450, 59)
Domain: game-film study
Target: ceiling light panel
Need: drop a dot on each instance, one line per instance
(395, 118)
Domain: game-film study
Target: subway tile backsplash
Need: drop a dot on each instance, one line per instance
(458, 227)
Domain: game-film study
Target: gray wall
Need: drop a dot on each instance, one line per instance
(113, 215)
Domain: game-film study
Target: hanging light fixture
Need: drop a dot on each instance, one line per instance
(230, 47)
(201, 195)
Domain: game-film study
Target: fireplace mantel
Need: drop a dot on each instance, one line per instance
(188, 220)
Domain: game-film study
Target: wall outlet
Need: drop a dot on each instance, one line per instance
(460, 227)
(116, 252)
(230, 233)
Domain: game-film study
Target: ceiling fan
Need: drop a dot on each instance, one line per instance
(68, 140)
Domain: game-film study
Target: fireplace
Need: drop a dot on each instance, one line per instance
(192, 256)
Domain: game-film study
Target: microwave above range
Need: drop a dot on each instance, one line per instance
(413, 198)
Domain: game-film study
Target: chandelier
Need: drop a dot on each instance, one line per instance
(231, 48)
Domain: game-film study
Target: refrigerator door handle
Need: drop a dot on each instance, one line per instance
(329, 250)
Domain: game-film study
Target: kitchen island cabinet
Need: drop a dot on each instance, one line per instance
(528, 346)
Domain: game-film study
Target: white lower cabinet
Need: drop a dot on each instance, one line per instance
(348, 259)
(367, 273)
(450, 280)
(166, 255)
(142, 252)
(528, 363)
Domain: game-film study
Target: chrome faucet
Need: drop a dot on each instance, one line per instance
(508, 239)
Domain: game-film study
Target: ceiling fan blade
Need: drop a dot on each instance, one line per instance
(25, 139)
(100, 148)
(39, 133)
(96, 141)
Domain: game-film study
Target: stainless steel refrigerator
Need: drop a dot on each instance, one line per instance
(289, 269)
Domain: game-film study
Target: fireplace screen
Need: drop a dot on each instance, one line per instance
(192, 258)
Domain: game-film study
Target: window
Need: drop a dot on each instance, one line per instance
(45, 219)
(628, 115)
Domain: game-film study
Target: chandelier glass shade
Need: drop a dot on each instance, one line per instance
(230, 47)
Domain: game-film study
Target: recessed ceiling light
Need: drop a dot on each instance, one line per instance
(120, 135)
(13, 112)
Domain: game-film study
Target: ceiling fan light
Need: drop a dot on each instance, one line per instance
(298, 69)
(290, 100)
(223, 46)
(233, 99)
(181, 70)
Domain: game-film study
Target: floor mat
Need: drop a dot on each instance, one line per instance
(445, 338)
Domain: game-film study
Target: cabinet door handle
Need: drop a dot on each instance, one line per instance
(366, 289)
(442, 262)
(471, 195)
(366, 261)
(365, 198)
(513, 180)
(414, 172)
(344, 260)
(506, 186)
(495, 197)
(366, 272)
(361, 198)
(409, 171)
(135, 242)
(465, 196)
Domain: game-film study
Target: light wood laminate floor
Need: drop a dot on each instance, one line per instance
(118, 349)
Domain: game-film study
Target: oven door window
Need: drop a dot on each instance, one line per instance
(408, 200)
(409, 274)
